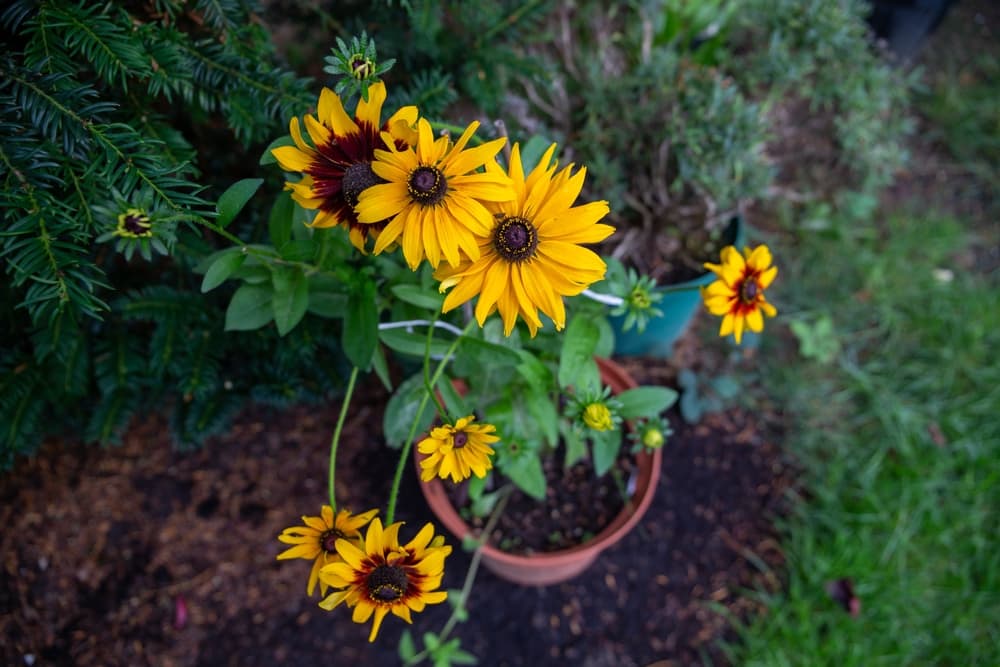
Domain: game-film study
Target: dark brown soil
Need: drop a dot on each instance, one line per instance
(140, 555)
(577, 506)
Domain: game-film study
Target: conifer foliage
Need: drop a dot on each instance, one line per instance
(104, 212)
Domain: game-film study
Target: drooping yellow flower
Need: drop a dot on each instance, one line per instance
(337, 167)
(598, 417)
(380, 576)
(433, 197)
(458, 450)
(317, 539)
(738, 294)
(531, 257)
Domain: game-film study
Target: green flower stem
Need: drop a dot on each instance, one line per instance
(470, 574)
(336, 437)
(428, 387)
(390, 512)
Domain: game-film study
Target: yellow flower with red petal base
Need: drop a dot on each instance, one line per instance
(433, 197)
(316, 540)
(458, 450)
(380, 576)
(531, 256)
(738, 294)
(337, 167)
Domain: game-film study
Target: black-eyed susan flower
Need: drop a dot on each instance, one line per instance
(434, 196)
(337, 168)
(531, 256)
(457, 451)
(316, 540)
(738, 294)
(379, 576)
(134, 224)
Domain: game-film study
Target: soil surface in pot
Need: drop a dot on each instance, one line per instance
(577, 506)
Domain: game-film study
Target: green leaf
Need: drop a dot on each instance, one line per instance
(328, 304)
(360, 334)
(402, 410)
(407, 649)
(535, 373)
(279, 222)
(223, 267)
(250, 308)
(411, 343)
(298, 250)
(381, 367)
(526, 472)
(418, 296)
(544, 412)
(453, 402)
(235, 198)
(483, 353)
(645, 401)
(576, 446)
(267, 158)
(576, 364)
(291, 298)
(606, 446)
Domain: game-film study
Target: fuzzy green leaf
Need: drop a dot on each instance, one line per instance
(235, 198)
(361, 326)
(291, 298)
(223, 267)
(403, 409)
(605, 450)
(418, 296)
(526, 472)
(576, 365)
(250, 308)
(645, 401)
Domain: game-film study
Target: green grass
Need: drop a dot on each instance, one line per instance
(899, 440)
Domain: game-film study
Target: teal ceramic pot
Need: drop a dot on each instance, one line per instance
(679, 308)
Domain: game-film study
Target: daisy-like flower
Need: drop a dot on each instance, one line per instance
(458, 450)
(135, 224)
(531, 257)
(380, 576)
(337, 167)
(738, 294)
(316, 540)
(598, 417)
(434, 196)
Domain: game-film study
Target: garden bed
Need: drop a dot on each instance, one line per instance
(144, 555)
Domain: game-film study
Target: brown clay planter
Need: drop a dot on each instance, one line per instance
(542, 569)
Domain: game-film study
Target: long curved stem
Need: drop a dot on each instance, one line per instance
(404, 455)
(336, 437)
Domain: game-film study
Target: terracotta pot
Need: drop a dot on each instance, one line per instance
(542, 569)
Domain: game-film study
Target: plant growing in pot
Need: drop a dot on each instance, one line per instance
(423, 246)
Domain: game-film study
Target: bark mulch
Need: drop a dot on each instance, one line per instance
(142, 555)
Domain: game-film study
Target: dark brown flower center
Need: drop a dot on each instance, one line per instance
(387, 583)
(328, 540)
(749, 290)
(427, 185)
(459, 439)
(515, 239)
(358, 178)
